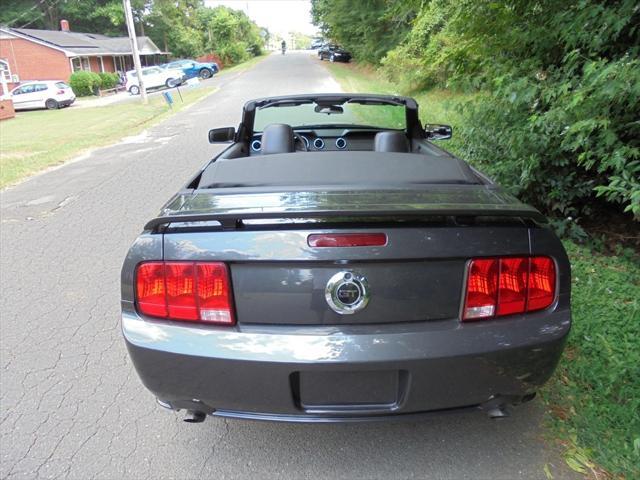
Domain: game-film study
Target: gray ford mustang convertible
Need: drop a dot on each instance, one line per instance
(333, 264)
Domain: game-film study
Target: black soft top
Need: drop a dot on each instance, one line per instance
(337, 168)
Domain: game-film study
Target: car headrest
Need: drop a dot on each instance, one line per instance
(391, 142)
(277, 138)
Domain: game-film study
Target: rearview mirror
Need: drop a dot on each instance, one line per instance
(435, 131)
(328, 109)
(222, 135)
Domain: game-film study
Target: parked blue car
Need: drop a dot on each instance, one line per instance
(193, 69)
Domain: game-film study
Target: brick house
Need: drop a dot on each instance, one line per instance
(29, 54)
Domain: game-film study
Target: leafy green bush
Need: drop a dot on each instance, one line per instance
(559, 142)
(564, 136)
(85, 83)
(234, 53)
(108, 80)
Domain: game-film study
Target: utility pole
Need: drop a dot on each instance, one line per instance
(128, 15)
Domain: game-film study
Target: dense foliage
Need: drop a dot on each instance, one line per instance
(101, 16)
(186, 28)
(556, 114)
(368, 28)
(85, 83)
(108, 80)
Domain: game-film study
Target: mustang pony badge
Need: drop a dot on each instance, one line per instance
(347, 293)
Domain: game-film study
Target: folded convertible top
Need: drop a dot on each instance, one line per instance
(304, 169)
(231, 207)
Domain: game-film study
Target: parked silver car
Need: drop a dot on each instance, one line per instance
(153, 77)
(49, 94)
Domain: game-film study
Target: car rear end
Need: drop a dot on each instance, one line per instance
(361, 314)
(177, 75)
(63, 94)
(341, 55)
(131, 80)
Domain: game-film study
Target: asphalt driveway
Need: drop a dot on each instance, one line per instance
(71, 404)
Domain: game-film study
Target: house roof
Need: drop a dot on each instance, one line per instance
(77, 43)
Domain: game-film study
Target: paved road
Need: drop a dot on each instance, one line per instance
(71, 404)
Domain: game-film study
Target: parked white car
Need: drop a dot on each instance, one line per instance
(153, 77)
(49, 94)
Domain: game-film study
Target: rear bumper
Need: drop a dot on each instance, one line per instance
(258, 372)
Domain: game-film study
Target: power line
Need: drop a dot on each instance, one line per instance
(49, 5)
(10, 22)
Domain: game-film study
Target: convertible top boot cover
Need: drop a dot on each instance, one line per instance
(391, 142)
(277, 138)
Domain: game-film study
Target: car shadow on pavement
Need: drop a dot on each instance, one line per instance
(456, 446)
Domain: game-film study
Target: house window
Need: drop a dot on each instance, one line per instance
(5, 71)
(5, 77)
(80, 63)
(119, 64)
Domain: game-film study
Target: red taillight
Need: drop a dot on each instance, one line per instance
(512, 285)
(191, 291)
(60, 92)
(151, 290)
(482, 289)
(214, 293)
(505, 286)
(181, 290)
(347, 240)
(542, 283)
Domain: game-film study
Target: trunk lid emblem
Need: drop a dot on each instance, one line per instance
(347, 293)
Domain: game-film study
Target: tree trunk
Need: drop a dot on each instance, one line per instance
(51, 15)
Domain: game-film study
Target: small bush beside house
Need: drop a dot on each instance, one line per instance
(108, 80)
(85, 83)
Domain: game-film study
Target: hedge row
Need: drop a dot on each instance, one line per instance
(88, 83)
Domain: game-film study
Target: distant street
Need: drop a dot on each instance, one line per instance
(71, 404)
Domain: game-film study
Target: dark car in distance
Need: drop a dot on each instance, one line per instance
(333, 264)
(333, 53)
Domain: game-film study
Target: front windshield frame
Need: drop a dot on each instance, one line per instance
(302, 115)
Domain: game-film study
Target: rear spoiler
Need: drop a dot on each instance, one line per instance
(233, 221)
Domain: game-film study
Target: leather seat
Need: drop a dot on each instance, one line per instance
(391, 142)
(277, 138)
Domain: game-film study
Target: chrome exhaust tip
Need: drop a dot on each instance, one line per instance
(194, 416)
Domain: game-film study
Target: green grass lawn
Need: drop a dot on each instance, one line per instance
(593, 399)
(34, 140)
